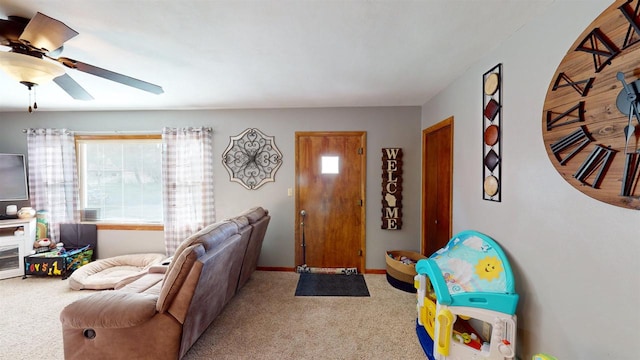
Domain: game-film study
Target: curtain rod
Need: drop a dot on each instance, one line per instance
(116, 132)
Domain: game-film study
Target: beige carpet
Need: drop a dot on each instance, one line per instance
(264, 321)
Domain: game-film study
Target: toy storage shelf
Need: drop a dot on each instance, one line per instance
(14, 247)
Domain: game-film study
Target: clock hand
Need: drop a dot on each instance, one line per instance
(634, 107)
(631, 95)
(629, 130)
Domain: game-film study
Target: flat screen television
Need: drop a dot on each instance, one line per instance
(13, 178)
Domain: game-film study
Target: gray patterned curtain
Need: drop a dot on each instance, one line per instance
(187, 177)
(53, 176)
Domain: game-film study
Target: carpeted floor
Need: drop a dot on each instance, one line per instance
(264, 321)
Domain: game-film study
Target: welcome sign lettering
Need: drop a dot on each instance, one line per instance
(391, 188)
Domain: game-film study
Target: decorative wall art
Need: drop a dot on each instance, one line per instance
(592, 109)
(491, 142)
(252, 159)
(391, 188)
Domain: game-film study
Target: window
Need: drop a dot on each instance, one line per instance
(330, 165)
(120, 178)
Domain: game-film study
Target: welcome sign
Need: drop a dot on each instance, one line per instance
(391, 188)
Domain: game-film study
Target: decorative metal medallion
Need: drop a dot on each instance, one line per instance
(252, 158)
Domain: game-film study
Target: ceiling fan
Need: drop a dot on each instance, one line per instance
(33, 56)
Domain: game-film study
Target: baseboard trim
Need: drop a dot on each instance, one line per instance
(292, 269)
(375, 271)
(275, 268)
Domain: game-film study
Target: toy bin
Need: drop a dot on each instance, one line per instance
(400, 273)
(54, 264)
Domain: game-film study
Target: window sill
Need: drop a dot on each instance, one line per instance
(139, 227)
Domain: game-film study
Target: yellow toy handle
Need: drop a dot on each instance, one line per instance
(445, 324)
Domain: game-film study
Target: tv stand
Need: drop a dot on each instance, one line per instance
(14, 247)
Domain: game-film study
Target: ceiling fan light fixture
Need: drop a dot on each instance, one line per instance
(29, 69)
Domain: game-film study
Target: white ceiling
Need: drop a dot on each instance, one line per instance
(226, 54)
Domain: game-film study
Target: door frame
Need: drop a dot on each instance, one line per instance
(448, 122)
(363, 187)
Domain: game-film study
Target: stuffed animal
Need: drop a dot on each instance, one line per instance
(44, 243)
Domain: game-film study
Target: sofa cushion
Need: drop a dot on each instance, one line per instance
(222, 229)
(149, 283)
(241, 221)
(254, 214)
(176, 275)
(254, 247)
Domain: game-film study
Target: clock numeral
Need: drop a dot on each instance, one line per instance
(576, 85)
(599, 159)
(576, 140)
(630, 174)
(568, 116)
(599, 45)
(633, 31)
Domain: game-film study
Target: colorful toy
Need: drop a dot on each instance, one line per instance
(543, 357)
(466, 301)
(42, 224)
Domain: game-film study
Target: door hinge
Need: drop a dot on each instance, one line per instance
(360, 252)
(361, 202)
(360, 151)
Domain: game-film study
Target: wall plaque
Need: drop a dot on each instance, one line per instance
(252, 159)
(391, 188)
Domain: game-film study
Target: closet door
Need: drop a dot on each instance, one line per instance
(437, 186)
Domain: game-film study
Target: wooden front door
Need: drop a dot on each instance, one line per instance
(437, 185)
(330, 189)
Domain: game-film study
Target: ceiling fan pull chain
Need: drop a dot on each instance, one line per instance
(35, 104)
(30, 109)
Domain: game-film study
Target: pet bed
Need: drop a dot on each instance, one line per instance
(111, 272)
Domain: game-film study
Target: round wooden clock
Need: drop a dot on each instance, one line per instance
(591, 117)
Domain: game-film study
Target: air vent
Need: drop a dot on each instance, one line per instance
(89, 214)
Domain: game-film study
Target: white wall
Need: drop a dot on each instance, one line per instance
(385, 127)
(575, 259)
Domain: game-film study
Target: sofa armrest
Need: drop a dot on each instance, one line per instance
(158, 269)
(109, 309)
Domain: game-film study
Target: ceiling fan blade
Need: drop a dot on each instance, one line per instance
(72, 87)
(10, 31)
(46, 33)
(110, 75)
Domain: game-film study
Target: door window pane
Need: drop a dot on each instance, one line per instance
(330, 165)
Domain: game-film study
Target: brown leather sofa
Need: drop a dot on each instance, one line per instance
(162, 314)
